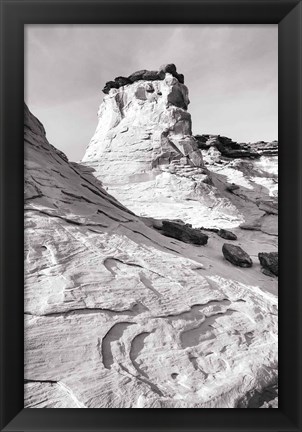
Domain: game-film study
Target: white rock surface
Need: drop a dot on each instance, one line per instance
(144, 153)
(117, 315)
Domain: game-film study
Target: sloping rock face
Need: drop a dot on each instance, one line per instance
(118, 315)
(144, 153)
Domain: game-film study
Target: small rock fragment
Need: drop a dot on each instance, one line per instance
(228, 235)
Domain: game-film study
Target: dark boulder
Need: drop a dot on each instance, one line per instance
(184, 233)
(109, 85)
(153, 75)
(228, 235)
(168, 68)
(236, 255)
(138, 75)
(269, 261)
(121, 81)
(231, 187)
(180, 77)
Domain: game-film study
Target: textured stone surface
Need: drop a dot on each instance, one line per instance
(118, 315)
(228, 235)
(269, 261)
(184, 233)
(236, 255)
(144, 153)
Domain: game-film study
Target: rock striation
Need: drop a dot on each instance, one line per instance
(118, 315)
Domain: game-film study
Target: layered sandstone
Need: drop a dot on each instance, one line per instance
(118, 315)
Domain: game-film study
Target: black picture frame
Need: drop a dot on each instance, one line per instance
(14, 15)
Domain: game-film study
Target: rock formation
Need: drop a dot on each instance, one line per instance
(144, 153)
(117, 314)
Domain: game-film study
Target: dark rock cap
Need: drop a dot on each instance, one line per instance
(145, 75)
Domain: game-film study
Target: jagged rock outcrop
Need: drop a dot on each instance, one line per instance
(144, 153)
(118, 315)
(232, 149)
(226, 146)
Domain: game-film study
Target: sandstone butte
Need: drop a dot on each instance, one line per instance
(116, 313)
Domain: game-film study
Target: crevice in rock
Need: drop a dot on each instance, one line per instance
(203, 331)
(70, 221)
(195, 310)
(148, 284)
(115, 333)
(146, 381)
(153, 241)
(27, 381)
(137, 309)
(109, 263)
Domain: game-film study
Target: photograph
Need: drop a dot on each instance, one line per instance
(151, 216)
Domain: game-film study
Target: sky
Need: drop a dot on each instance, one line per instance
(231, 72)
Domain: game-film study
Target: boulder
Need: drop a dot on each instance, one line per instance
(269, 261)
(180, 78)
(231, 187)
(121, 81)
(228, 235)
(153, 75)
(184, 232)
(109, 85)
(137, 76)
(236, 255)
(168, 68)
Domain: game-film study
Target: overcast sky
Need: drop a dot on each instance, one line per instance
(231, 72)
